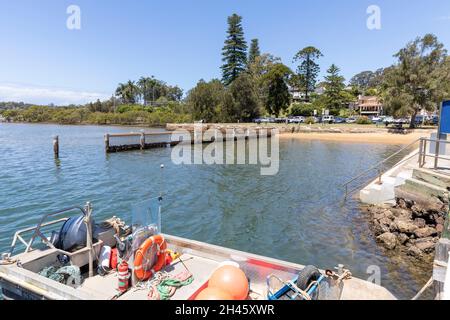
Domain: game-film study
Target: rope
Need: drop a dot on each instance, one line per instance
(425, 287)
(164, 285)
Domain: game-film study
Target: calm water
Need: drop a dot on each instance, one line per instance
(296, 215)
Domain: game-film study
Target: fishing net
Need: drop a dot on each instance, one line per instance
(68, 275)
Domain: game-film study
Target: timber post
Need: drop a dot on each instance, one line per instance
(107, 142)
(142, 140)
(56, 146)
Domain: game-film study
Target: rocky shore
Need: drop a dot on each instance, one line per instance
(408, 226)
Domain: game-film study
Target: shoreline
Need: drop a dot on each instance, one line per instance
(364, 137)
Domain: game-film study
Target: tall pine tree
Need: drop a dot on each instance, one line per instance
(334, 89)
(308, 69)
(234, 51)
(254, 51)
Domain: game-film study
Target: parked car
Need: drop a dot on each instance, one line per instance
(377, 119)
(351, 120)
(264, 120)
(388, 120)
(327, 119)
(297, 119)
(339, 120)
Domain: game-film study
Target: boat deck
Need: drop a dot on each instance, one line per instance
(200, 259)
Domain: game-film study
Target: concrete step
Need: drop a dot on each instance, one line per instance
(432, 177)
(379, 193)
(423, 188)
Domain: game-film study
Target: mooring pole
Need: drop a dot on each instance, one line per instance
(142, 141)
(56, 146)
(107, 142)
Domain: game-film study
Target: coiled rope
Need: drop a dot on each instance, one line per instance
(164, 286)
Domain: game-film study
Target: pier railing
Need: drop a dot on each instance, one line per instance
(379, 167)
(141, 140)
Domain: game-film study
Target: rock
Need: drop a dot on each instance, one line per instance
(403, 238)
(440, 228)
(405, 226)
(417, 208)
(388, 239)
(440, 220)
(420, 223)
(425, 245)
(404, 214)
(414, 252)
(425, 232)
(402, 203)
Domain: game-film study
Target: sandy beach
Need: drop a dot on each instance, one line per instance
(373, 137)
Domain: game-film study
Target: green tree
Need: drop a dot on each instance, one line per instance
(334, 89)
(254, 51)
(302, 109)
(308, 69)
(234, 51)
(242, 103)
(277, 95)
(362, 80)
(418, 79)
(206, 99)
(128, 92)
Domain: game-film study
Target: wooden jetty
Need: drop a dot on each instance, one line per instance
(117, 142)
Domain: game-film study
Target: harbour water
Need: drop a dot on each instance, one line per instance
(297, 215)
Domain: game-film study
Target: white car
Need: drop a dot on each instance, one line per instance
(328, 119)
(298, 119)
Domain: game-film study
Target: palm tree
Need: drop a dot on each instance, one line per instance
(128, 92)
(146, 86)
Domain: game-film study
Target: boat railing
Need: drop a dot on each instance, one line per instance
(36, 230)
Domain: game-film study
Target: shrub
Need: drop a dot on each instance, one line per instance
(363, 120)
(310, 120)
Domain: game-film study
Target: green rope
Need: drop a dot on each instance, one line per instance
(164, 288)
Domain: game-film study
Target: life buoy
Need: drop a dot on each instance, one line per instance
(139, 271)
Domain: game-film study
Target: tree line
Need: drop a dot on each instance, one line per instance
(255, 84)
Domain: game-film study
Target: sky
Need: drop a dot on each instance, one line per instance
(179, 41)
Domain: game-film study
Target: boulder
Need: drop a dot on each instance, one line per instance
(440, 220)
(420, 223)
(440, 228)
(405, 226)
(403, 238)
(425, 232)
(388, 239)
(404, 214)
(414, 252)
(425, 245)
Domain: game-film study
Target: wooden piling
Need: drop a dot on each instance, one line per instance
(142, 141)
(107, 142)
(56, 146)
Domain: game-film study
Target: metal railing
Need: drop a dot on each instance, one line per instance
(423, 152)
(18, 236)
(378, 167)
(422, 155)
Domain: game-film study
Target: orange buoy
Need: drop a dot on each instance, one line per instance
(213, 294)
(230, 279)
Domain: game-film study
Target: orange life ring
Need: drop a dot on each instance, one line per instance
(139, 271)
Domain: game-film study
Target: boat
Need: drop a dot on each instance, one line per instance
(47, 270)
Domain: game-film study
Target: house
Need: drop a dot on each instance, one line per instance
(297, 95)
(369, 106)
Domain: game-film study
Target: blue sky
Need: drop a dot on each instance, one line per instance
(180, 41)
